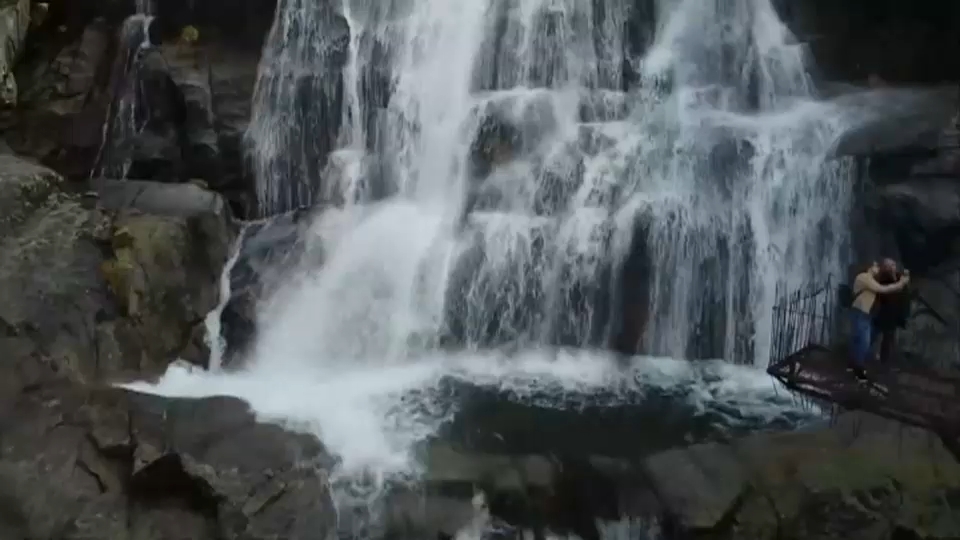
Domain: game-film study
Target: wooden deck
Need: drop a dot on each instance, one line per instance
(912, 395)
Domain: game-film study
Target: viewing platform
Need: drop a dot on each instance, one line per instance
(912, 395)
(809, 357)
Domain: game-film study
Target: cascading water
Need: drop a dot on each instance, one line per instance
(744, 198)
(212, 322)
(126, 116)
(494, 164)
(511, 112)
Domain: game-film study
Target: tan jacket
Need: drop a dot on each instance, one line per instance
(866, 288)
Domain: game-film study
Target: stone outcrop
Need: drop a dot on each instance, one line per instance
(82, 463)
(195, 98)
(113, 283)
(14, 23)
(269, 251)
(892, 42)
(896, 122)
(863, 477)
(103, 290)
(62, 106)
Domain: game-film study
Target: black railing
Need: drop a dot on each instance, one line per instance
(804, 317)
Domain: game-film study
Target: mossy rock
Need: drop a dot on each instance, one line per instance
(816, 486)
(119, 273)
(189, 35)
(24, 187)
(122, 238)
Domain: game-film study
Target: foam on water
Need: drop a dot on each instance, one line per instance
(371, 417)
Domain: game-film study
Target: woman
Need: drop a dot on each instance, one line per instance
(866, 288)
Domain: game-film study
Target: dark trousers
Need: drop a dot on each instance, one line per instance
(888, 340)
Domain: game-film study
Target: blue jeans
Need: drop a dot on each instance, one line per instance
(860, 337)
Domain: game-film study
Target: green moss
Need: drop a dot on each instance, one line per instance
(853, 487)
(856, 469)
(118, 273)
(122, 238)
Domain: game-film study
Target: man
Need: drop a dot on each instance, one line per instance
(890, 312)
(866, 290)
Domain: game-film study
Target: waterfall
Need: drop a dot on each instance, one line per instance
(747, 198)
(296, 103)
(483, 173)
(126, 114)
(519, 167)
(213, 322)
(145, 6)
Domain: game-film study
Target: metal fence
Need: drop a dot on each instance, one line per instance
(803, 317)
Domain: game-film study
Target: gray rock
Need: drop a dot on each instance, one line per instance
(90, 294)
(269, 251)
(79, 463)
(99, 292)
(14, 22)
(926, 205)
(191, 73)
(713, 469)
(176, 200)
(858, 473)
(918, 221)
(60, 118)
(895, 119)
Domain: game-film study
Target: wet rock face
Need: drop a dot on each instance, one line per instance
(104, 291)
(897, 43)
(242, 26)
(81, 463)
(269, 252)
(113, 285)
(906, 207)
(916, 221)
(863, 478)
(193, 101)
(60, 115)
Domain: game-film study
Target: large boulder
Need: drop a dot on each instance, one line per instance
(114, 284)
(863, 477)
(61, 108)
(894, 121)
(101, 290)
(81, 463)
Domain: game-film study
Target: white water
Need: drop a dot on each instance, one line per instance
(212, 322)
(717, 160)
(124, 121)
(354, 344)
(371, 416)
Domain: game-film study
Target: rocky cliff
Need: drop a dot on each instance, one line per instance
(109, 284)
